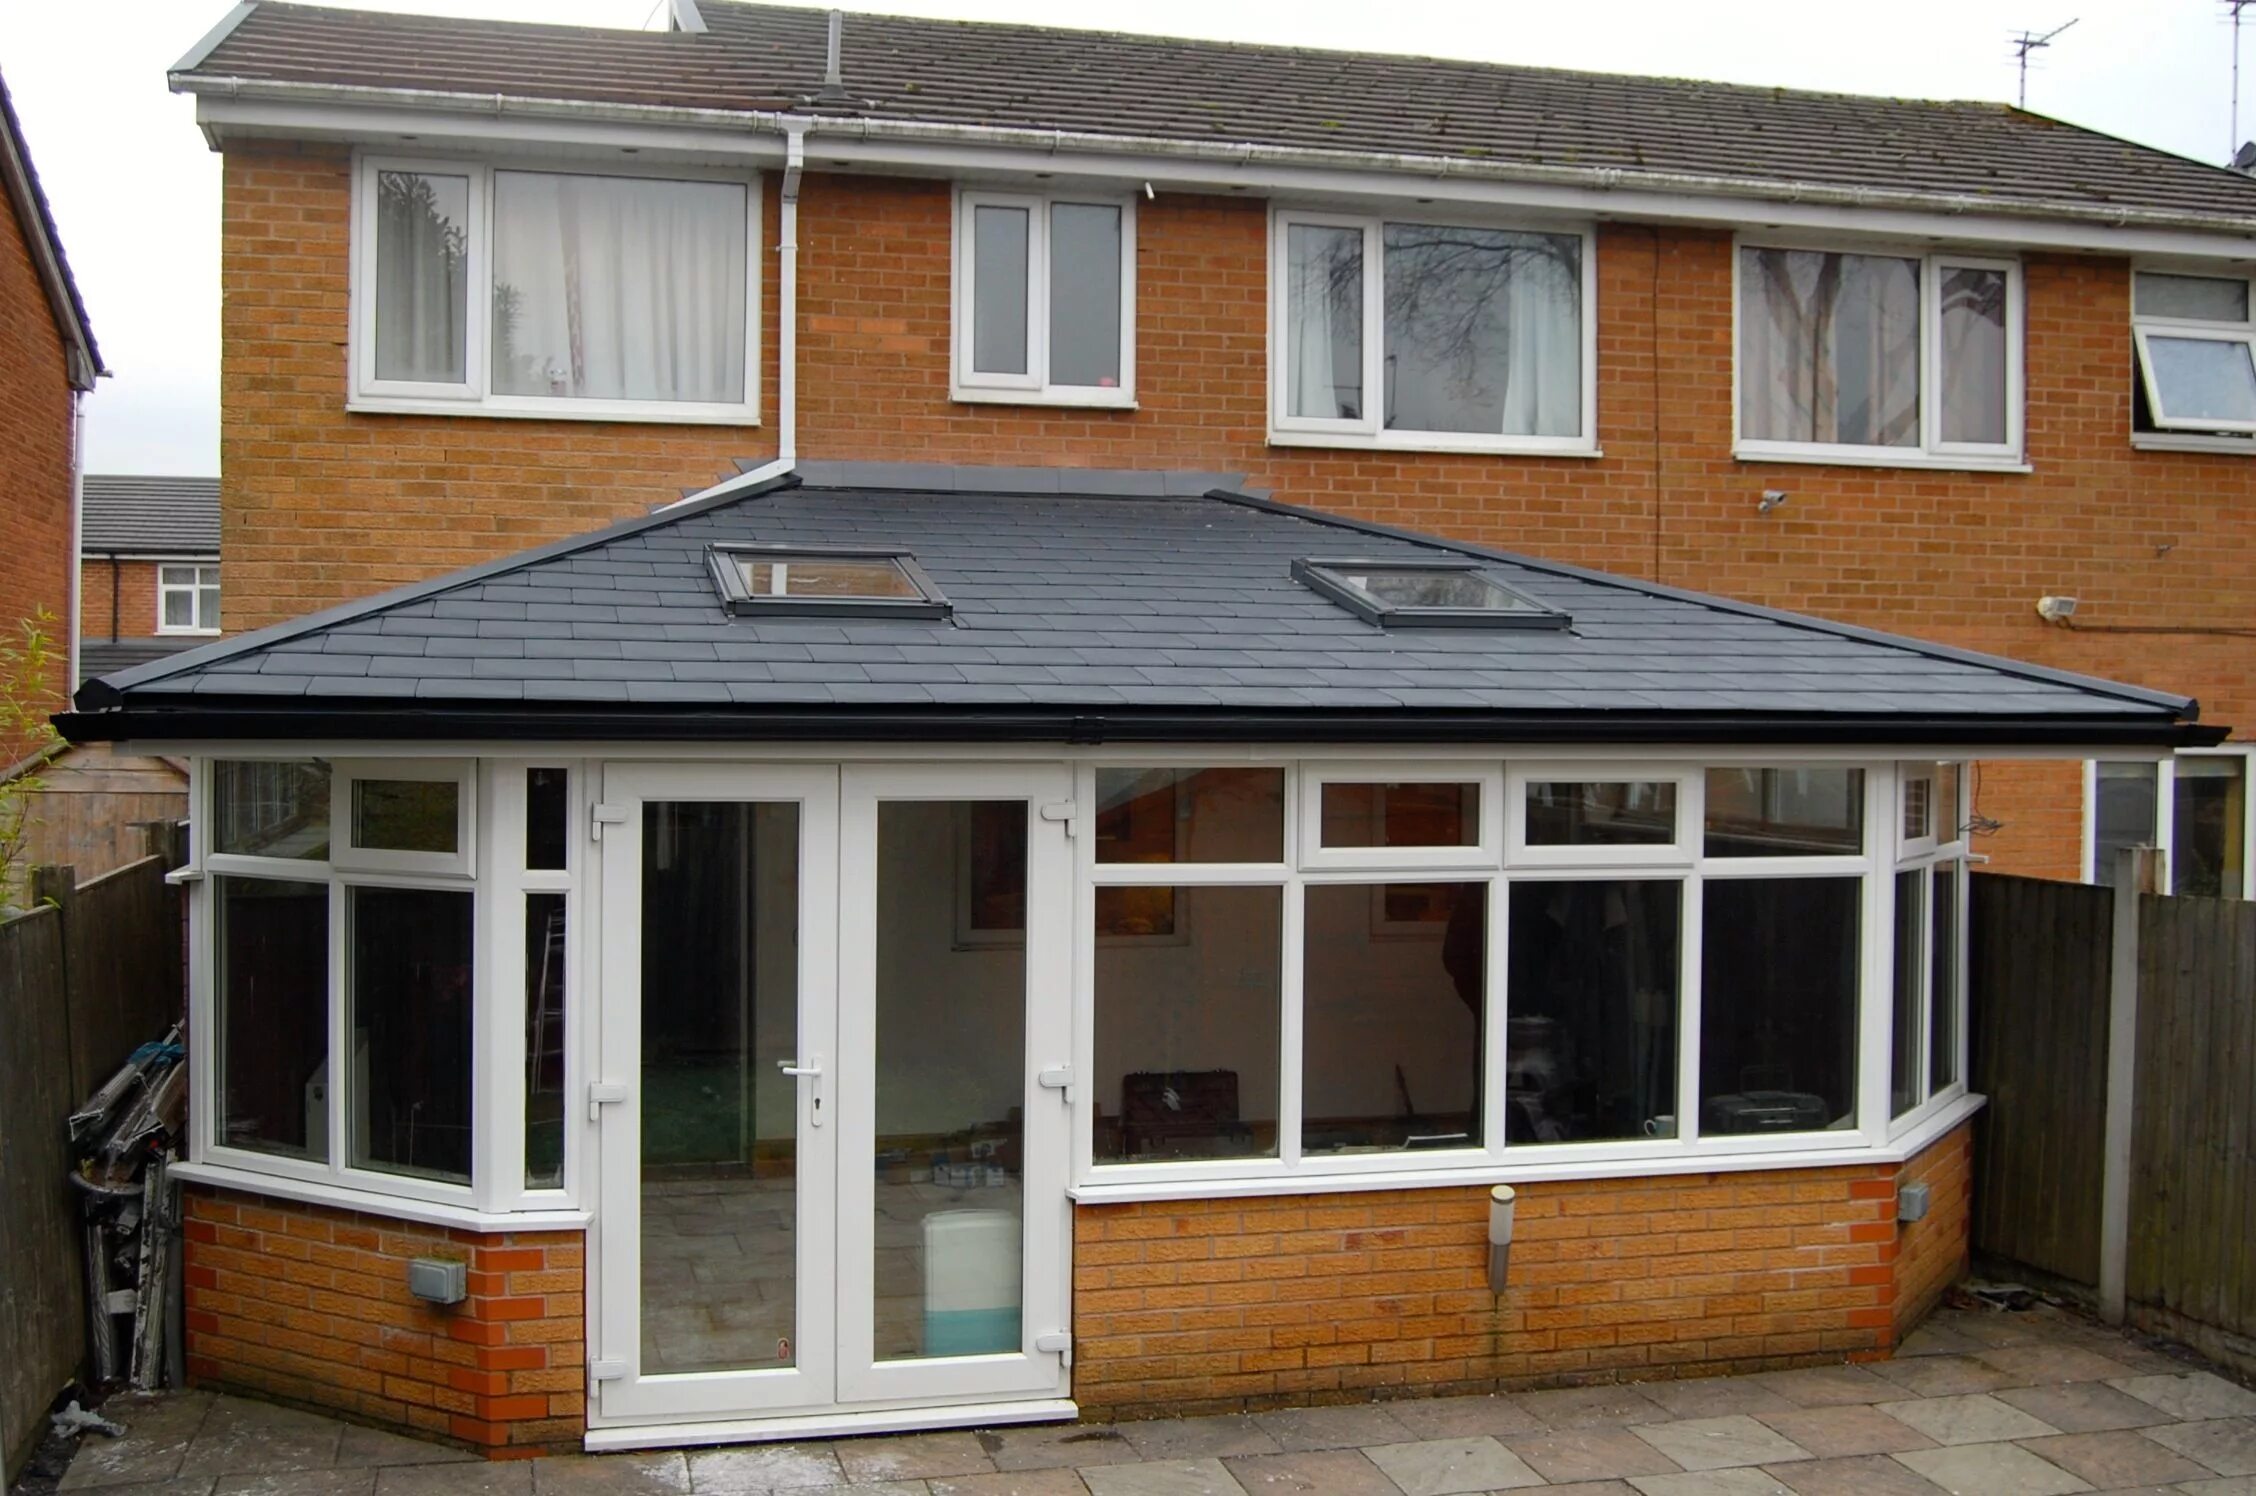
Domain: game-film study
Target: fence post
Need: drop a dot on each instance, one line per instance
(2135, 875)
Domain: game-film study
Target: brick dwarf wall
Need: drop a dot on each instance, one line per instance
(1933, 1253)
(127, 587)
(310, 1305)
(35, 455)
(1219, 1305)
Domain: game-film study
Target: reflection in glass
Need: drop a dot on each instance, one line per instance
(1908, 1030)
(2123, 813)
(422, 276)
(2199, 298)
(406, 815)
(1187, 1028)
(998, 289)
(1190, 815)
(1592, 1034)
(720, 1125)
(2209, 810)
(2203, 379)
(1324, 321)
(272, 944)
(1943, 988)
(1085, 295)
(1400, 814)
(548, 817)
(271, 808)
(1973, 355)
(1778, 1004)
(544, 1040)
(1611, 813)
(408, 1010)
(951, 1082)
(1483, 331)
(1828, 348)
(813, 575)
(1785, 812)
(1391, 1017)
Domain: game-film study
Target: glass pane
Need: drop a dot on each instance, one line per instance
(951, 1077)
(1085, 295)
(1828, 348)
(1592, 1037)
(422, 276)
(406, 815)
(720, 1124)
(998, 290)
(825, 576)
(1613, 813)
(1188, 1025)
(544, 1041)
(2210, 827)
(207, 607)
(1785, 812)
(1943, 995)
(408, 1008)
(1973, 354)
(2124, 815)
(2203, 379)
(179, 608)
(1950, 815)
(1778, 1004)
(1419, 587)
(1190, 815)
(1324, 322)
(547, 816)
(1401, 815)
(271, 809)
(1908, 1027)
(1483, 331)
(2200, 297)
(1918, 807)
(614, 288)
(271, 941)
(1391, 1005)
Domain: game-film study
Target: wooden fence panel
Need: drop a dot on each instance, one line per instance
(2038, 984)
(124, 934)
(2193, 1128)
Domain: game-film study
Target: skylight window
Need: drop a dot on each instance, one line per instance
(824, 582)
(1426, 594)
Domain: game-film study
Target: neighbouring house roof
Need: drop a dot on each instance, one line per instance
(1482, 117)
(82, 355)
(1086, 606)
(100, 657)
(134, 514)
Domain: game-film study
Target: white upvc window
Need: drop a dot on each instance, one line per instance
(1045, 299)
(1927, 1032)
(1409, 333)
(1877, 357)
(2193, 809)
(566, 292)
(187, 598)
(2194, 337)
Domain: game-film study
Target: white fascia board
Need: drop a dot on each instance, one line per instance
(231, 105)
(686, 17)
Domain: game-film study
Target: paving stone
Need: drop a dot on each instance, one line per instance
(310, 1483)
(373, 1446)
(2118, 1459)
(1592, 1407)
(1440, 1467)
(913, 1457)
(1163, 1478)
(1829, 1386)
(2228, 1485)
(1937, 1340)
(1593, 1488)
(2038, 1365)
(1714, 1397)
(1739, 1482)
(1347, 1426)
(240, 1437)
(2012, 1327)
(1992, 1470)
(1592, 1454)
(1721, 1443)
(1198, 1438)
(180, 1485)
(1331, 1472)
(485, 1478)
(135, 1460)
(1856, 1475)
(1942, 1376)
(2200, 1394)
(2225, 1445)
(1974, 1419)
(1453, 1417)
(881, 1488)
(1830, 1433)
(1044, 1446)
(753, 1468)
(1010, 1483)
(660, 1474)
(2083, 1407)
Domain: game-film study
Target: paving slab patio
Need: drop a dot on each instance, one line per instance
(2039, 1403)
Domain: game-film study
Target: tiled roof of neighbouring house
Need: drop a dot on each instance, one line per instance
(100, 657)
(20, 181)
(1488, 117)
(1086, 605)
(131, 514)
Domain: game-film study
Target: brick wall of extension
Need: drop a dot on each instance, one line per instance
(35, 453)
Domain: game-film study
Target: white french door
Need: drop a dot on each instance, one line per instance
(831, 1177)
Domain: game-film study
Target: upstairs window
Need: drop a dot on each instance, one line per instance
(1878, 358)
(2195, 343)
(187, 599)
(1450, 337)
(554, 293)
(1045, 299)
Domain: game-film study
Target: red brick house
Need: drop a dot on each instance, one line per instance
(148, 568)
(1166, 752)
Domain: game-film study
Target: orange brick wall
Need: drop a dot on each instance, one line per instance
(1932, 1254)
(129, 586)
(310, 1305)
(35, 455)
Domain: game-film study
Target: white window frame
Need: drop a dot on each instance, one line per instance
(345, 778)
(194, 588)
(1932, 450)
(2146, 328)
(1034, 387)
(473, 396)
(1479, 857)
(2166, 819)
(1678, 850)
(1926, 856)
(2205, 437)
(1370, 430)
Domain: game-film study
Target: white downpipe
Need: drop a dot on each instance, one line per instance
(72, 598)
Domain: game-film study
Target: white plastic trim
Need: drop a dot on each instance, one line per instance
(828, 1425)
(368, 1202)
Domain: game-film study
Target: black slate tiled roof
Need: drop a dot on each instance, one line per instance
(1077, 592)
(1482, 115)
(132, 514)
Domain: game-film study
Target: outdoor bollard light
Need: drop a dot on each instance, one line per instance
(1499, 1235)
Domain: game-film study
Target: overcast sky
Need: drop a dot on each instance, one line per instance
(137, 194)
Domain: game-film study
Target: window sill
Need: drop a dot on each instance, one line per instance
(1048, 399)
(1927, 462)
(2220, 446)
(1473, 447)
(165, 633)
(398, 1207)
(562, 410)
(1587, 1165)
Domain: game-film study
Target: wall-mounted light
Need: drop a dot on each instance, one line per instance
(1771, 499)
(2056, 609)
(1500, 1203)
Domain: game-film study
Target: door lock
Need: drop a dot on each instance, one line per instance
(809, 1070)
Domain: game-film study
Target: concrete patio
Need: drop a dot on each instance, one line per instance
(1979, 1403)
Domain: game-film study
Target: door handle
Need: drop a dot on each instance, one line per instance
(790, 1069)
(809, 1069)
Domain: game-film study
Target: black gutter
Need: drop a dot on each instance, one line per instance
(214, 719)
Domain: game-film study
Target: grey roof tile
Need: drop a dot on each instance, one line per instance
(129, 514)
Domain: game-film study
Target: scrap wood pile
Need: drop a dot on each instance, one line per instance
(126, 1139)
